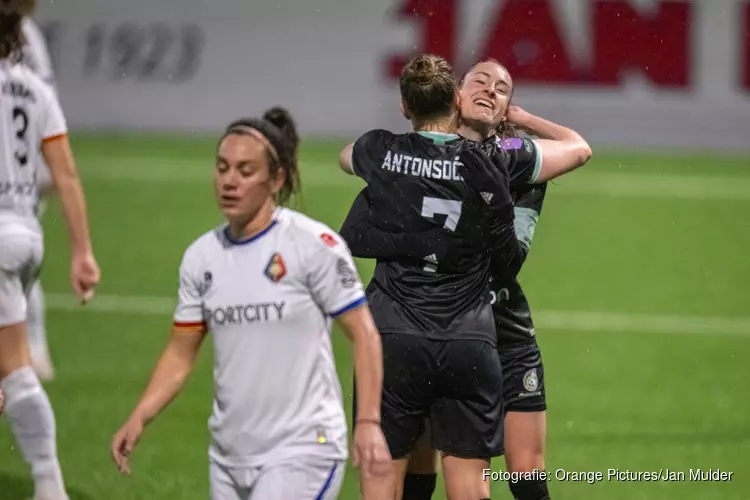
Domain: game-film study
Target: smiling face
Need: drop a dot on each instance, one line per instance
(485, 96)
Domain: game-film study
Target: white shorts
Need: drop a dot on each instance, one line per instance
(21, 252)
(309, 479)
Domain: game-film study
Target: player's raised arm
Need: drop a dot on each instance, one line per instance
(561, 149)
(345, 159)
(369, 149)
(172, 370)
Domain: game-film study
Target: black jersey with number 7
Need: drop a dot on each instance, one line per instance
(415, 183)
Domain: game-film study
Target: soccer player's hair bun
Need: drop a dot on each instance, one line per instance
(281, 119)
(424, 69)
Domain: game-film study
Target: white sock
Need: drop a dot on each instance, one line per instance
(30, 414)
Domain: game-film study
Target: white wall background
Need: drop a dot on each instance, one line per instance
(324, 60)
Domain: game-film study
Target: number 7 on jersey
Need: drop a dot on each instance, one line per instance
(439, 206)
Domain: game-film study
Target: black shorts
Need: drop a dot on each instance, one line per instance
(456, 384)
(523, 378)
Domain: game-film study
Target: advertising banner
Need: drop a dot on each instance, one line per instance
(632, 74)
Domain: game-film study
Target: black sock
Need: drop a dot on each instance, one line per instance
(419, 486)
(529, 489)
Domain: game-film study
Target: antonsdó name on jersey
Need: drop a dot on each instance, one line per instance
(422, 167)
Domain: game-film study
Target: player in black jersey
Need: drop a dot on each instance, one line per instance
(438, 335)
(486, 91)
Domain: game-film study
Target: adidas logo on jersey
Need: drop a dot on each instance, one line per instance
(487, 197)
(431, 258)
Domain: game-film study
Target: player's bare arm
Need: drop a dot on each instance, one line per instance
(370, 452)
(345, 159)
(562, 148)
(85, 272)
(172, 370)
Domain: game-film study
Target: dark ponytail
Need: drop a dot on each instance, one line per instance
(279, 129)
(11, 37)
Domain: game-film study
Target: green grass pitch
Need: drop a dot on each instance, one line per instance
(639, 277)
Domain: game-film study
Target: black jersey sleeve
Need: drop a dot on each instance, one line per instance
(524, 160)
(368, 152)
(366, 240)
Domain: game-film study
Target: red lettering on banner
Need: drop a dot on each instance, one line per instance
(526, 38)
(439, 26)
(658, 45)
(746, 79)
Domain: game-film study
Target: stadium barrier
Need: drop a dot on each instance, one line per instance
(632, 74)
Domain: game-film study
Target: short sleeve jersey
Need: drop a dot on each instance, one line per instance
(268, 303)
(29, 115)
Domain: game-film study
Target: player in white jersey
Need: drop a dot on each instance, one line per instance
(36, 56)
(31, 122)
(267, 285)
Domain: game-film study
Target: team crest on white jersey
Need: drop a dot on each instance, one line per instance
(276, 269)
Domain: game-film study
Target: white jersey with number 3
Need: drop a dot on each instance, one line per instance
(269, 303)
(29, 115)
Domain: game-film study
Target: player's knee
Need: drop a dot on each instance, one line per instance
(419, 486)
(527, 461)
(20, 384)
(529, 489)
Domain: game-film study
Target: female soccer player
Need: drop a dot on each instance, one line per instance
(486, 92)
(439, 343)
(267, 284)
(31, 122)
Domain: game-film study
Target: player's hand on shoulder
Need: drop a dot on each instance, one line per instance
(371, 453)
(124, 442)
(519, 118)
(84, 275)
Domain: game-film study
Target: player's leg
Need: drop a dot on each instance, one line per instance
(467, 420)
(422, 471)
(40, 357)
(27, 406)
(525, 418)
(408, 390)
(309, 477)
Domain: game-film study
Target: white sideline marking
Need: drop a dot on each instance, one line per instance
(619, 185)
(552, 320)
